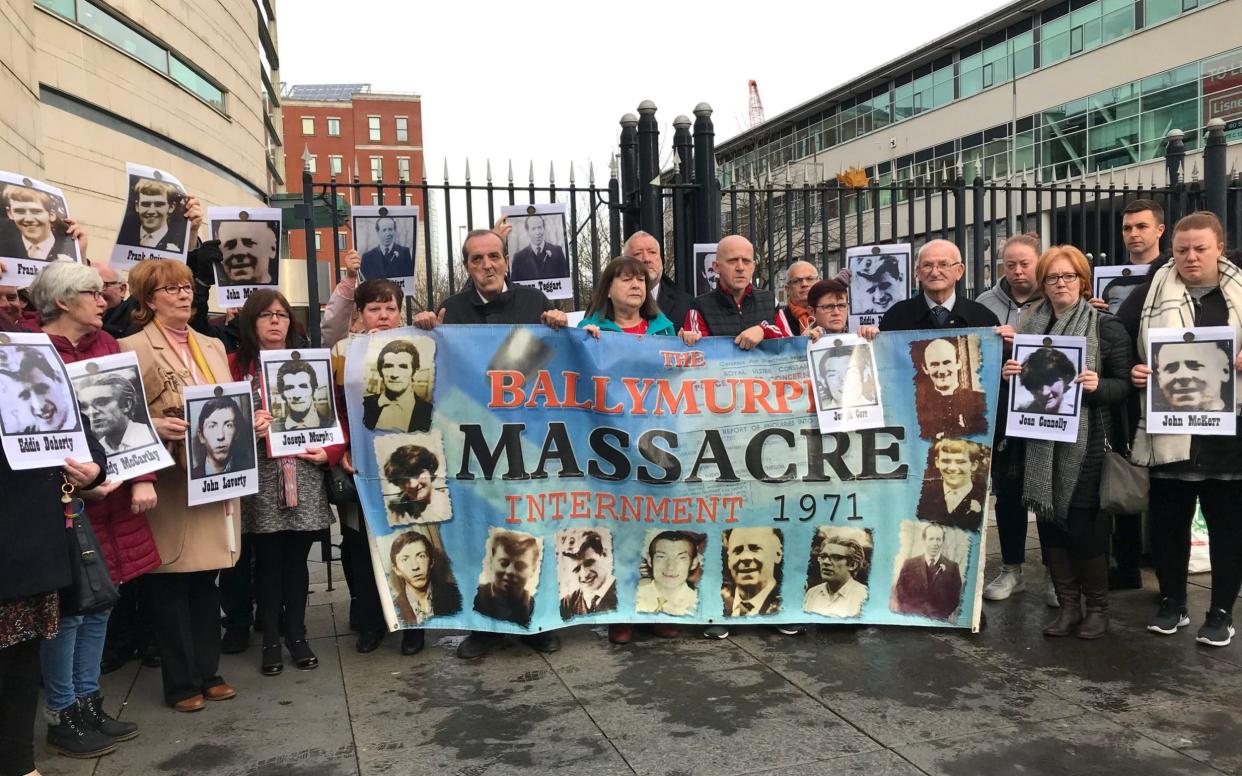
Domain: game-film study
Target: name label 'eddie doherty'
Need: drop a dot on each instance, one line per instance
(31, 444)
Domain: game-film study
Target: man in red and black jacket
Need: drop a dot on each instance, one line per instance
(736, 308)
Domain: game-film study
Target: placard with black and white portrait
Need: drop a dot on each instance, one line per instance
(1192, 387)
(929, 570)
(1045, 399)
(539, 248)
(847, 387)
(221, 445)
(585, 572)
(249, 251)
(112, 399)
(421, 584)
(670, 572)
(955, 484)
(1114, 283)
(949, 399)
(400, 375)
(386, 237)
(706, 275)
(39, 420)
(509, 578)
(879, 278)
(838, 571)
(34, 229)
(297, 386)
(752, 568)
(413, 477)
(154, 225)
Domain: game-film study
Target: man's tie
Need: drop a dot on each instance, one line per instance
(940, 316)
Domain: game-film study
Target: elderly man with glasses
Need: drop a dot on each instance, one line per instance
(937, 305)
(797, 315)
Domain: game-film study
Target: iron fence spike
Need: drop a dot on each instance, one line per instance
(591, 173)
(532, 172)
(510, 172)
(551, 172)
(446, 172)
(467, 169)
(489, 170)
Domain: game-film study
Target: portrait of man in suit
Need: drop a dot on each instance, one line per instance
(954, 485)
(877, 284)
(946, 402)
(674, 563)
(587, 559)
(844, 377)
(840, 560)
(752, 571)
(155, 220)
(110, 403)
(37, 228)
(509, 578)
(296, 385)
(397, 406)
(388, 259)
(929, 583)
(541, 259)
(248, 252)
(219, 444)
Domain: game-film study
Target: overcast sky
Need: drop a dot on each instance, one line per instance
(549, 81)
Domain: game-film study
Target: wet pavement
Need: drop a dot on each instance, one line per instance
(879, 701)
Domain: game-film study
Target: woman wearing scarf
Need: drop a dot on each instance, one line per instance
(285, 517)
(1062, 479)
(194, 543)
(1199, 287)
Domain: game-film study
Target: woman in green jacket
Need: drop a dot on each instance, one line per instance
(622, 302)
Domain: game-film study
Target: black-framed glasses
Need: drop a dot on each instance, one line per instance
(92, 292)
(1068, 277)
(273, 315)
(833, 307)
(180, 288)
(113, 283)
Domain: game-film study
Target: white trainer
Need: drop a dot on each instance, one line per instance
(1008, 582)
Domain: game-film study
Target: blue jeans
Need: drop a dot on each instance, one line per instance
(71, 660)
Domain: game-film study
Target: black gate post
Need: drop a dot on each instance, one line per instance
(1174, 157)
(683, 200)
(959, 220)
(629, 175)
(978, 254)
(1215, 176)
(707, 197)
(650, 203)
(312, 256)
(615, 206)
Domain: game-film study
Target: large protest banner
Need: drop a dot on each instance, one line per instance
(517, 479)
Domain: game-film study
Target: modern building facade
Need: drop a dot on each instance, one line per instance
(89, 85)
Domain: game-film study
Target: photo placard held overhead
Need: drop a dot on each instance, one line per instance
(33, 230)
(386, 237)
(249, 251)
(39, 420)
(539, 248)
(222, 452)
(706, 278)
(880, 278)
(111, 395)
(1114, 284)
(1192, 388)
(1044, 401)
(154, 225)
(297, 388)
(847, 391)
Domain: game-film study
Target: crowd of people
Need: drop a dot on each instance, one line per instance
(195, 582)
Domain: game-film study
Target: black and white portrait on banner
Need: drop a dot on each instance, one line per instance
(847, 386)
(955, 484)
(400, 376)
(413, 478)
(879, 278)
(838, 571)
(34, 229)
(386, 237)
(752, 562)
(1045, 400)
(1114, 283)
(114, 402)
(1192, 388)
(509, 578)
(297, 386)
(249, 251)
(39, 419)
(948, 395)
(221, 443)
(154, 225)
(928, 569)
(585, 572)
(421, 583)
(539, 248)
(670, 572)
(706, 276)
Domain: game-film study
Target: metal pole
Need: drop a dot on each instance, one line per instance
(614, 209)
(707, 198)
(629, 175)
(648, 169)
(1215, 176)
(312, 258)
(684, 201)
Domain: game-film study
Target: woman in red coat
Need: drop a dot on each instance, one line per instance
(70, 301)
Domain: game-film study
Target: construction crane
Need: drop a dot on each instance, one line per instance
(756, 104)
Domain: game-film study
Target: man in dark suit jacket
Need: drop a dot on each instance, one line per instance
(673, 302)
(513, 558)
(752, 571)
(953, 478)
(540, 260)
(388, 259)
(396, 407)
(930, 584)
(944, 406)
(937, 306)
(156, 221)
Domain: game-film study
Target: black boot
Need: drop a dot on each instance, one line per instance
(1061, 571)
(72, 737)
(1093, 575)
(96, 718)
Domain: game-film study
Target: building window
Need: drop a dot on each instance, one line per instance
(373, 127)
(342, 240)
(403, 168)
(403, 129)
(377, 168)
(334, 127)
(375, 199)
(317, 245)
(312, 164)
(335, 165)
(408, 199)
(1156, 11)
(308, 125)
